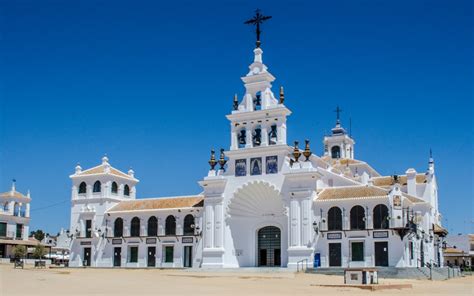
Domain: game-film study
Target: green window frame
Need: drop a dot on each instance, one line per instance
(169, 254)
(357, 251)
(19, 230)
(133, 255)
(3, 229)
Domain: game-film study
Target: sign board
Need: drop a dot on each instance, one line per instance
(334, 235)
(187, 240)
(380, 234)
(86, 243)
(151, 240)
(116, 241)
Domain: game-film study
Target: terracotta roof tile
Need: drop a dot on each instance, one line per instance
(402, 179)
(15, 194)
(351, 192)
(452, 251)
(101, 170)
(159, 203)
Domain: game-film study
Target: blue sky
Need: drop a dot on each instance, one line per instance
(149, 83)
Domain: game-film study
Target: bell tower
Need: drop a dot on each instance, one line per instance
(259, 119)
(339, 144)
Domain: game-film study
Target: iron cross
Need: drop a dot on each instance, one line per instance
(257, 20)
(338, 112)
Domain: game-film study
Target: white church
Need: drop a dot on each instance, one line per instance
(263, 204)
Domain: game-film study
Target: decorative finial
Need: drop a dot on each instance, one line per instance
(296, 152)
(78, 168)
(13, 185)
(282, 95)
(236, 102)
(307, 152)
(105, 159)
(222, 160)
(257, 20)
(131, 172)
(212, 161)
(431, 155)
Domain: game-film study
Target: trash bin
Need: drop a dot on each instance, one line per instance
(317, 260)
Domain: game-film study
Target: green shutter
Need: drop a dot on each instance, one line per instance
(3, 229)
(357, 251)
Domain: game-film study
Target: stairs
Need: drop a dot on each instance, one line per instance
(420, 273)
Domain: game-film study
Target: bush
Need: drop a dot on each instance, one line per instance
(19, 251)
(39, 252)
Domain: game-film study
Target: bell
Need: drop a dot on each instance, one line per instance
(257, 138)
(242, 138)
(273, 135)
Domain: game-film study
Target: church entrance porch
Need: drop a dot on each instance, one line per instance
(269, 246)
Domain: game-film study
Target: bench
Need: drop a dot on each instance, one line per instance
(40, 264)
(18, 263)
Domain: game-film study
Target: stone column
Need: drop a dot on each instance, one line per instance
(208, 228)
(265, 141)
(219, 225)
(306, 223)
(248, 134)
(294, 223)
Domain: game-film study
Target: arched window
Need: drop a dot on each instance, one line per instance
(5, 206)
(257, 101)
(189, 225)
(170, 226)
(114, 187)
(242, 138)
(135, 227)
(257, 136)
(357, 218)
(152, 226)
(273, 135)
(82, 188)
(118, 227)
(380, 217)
(97, 186)
(126, 190)
(334, 219)
(336, 152)
(16, 209)
(23, 211)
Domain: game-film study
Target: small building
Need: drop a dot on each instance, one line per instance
(459, 250)
(14, 221)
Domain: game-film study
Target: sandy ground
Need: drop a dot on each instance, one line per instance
(72, 281)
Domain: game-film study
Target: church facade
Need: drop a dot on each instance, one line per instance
(263, 203)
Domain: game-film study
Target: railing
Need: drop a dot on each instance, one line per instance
(303, 263)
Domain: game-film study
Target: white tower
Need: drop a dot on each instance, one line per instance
(339, 144)
(259, 120)
(94, 191)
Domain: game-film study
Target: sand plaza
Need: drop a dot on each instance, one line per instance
(109, 281)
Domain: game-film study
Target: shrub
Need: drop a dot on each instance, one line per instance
(19, 251)
(39, 251)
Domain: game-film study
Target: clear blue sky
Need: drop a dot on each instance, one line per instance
(150, 84)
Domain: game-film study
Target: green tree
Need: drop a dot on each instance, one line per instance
(39, 251)
(38, 234)
(19, 251)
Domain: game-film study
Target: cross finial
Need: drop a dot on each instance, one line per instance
(257, 20)
(338, 113)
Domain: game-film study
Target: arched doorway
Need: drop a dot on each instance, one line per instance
(269, 246)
